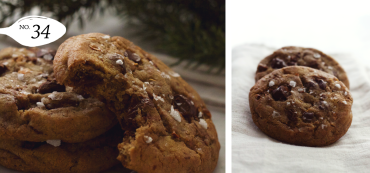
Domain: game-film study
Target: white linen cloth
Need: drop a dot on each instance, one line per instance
(253, 151)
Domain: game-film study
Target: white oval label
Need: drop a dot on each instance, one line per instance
(34, 31)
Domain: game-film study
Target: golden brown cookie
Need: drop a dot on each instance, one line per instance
(168, 127)
(94, 155)
(299, 56)
(301, 106)
(33, 107)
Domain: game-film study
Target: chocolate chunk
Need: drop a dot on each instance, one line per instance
(133, 110)
(31, 145)
(294, 58)
(310, 85)
(281, 93)
(3, 69)
(322, 84)
(184, 106)
(132, 56)
(308, 117)
(292, 116)
(277, 63)
(261, 68)
(291, 63)
(313, 64)
(50, 86)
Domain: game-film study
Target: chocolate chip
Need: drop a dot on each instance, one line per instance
(261, 68)
(308, 117)
(277, 63)
(281, 93)
(133, 56)
(3, 69)
(313, 64)
(31, 145)
(322, 84)
(309, 85)
(184, 106)
(50, 86)
(292, 116)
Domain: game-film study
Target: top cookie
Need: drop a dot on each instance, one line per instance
(299, 56)
(301, 106)
(35, 108)
(168, 127)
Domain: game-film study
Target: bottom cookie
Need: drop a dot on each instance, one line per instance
(95, 155)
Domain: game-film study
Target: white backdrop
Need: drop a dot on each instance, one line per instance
(330, 26)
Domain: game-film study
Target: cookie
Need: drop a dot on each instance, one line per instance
(302, 106)
(299, 56)
(167, 125)
(33, 107)
(94, 155)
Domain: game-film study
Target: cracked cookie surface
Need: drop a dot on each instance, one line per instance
(167, 126)
(299, 56)
(35, 108)
(301, 106)
(94, 155)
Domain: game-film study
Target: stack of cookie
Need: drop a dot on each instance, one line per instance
(47, 127)
(106, 101)
(301, 97)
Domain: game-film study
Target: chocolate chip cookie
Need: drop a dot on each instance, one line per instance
(302, 106)
(33, 107)
(94, 155)
(167, 125)
(299, 56)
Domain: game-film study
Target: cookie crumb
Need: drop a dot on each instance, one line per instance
(175, 114)
(21, 77)
(338, 85)
(54, 142)
(40, 104)
(271, 83)
(292, 83)
(316, 55)
(120, 62)
(148, 139)
(200, 114)
(203, 123)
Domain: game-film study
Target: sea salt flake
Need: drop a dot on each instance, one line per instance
(54, 142)
(158, 98)
(338, 85)
(55, 96)
(20, 76)
(40, 104)
(30, 55)
(33, 80)
(174, 74)
(330, 67)
(144, 88)
(288, 103)
(316, 55)
(151, 62)
(48, 57)
(275, 114)
(106, 37)
(120, 62)
(175, 114)
(345, 93)
(192, 102)
(323, 126)
(80, 97)
(178, 104)
(344, 102)
(203, 123)
(5, 63)
(200, 114)
(271, 83)
(300, 90)
(292, 83)
(148, 139)
(164, 75)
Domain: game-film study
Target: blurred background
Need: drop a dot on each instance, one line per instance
(187, 35)
(334, 27)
